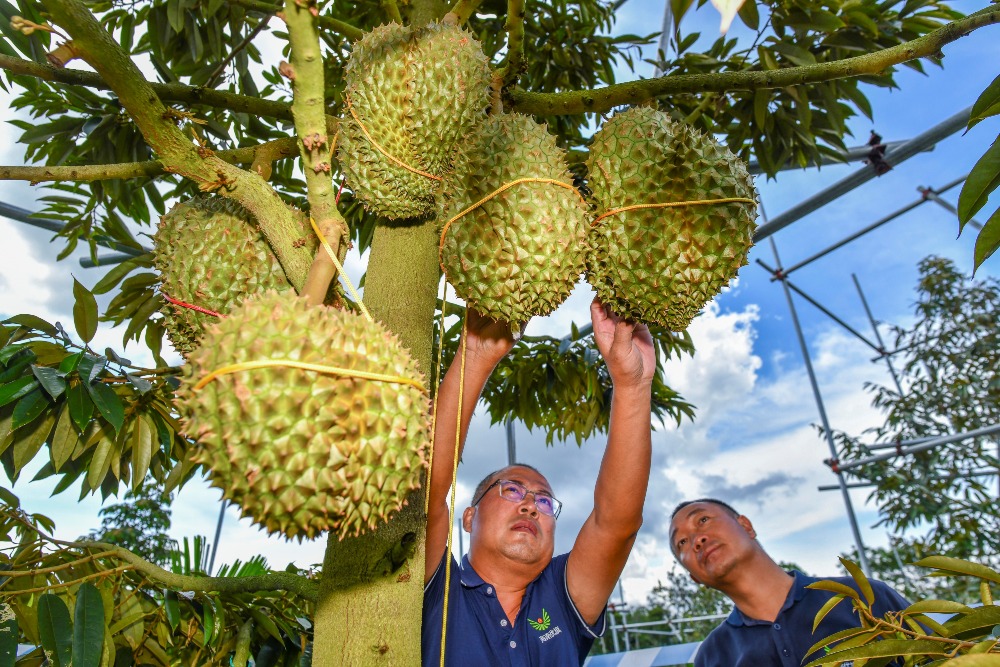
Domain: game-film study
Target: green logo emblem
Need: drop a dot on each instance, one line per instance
(542, 623)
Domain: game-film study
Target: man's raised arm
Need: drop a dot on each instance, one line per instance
(603, 545)
(486, 342)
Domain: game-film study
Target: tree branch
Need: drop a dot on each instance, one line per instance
(315, 146)
(325, 22)
(280, 224)
(600, 100)
(170, 92)
(462, 9)
(392, 11)
(258, 155)
(515, 42)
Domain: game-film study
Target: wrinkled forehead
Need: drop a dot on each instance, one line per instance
(687, 513)
(531, 479)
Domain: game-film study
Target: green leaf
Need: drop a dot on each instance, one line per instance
(937, 607)
(959, 566)
(884, 648)
(265, 622)
(84, 312)
(12, 391)
(115, 275)
(979, 660)
(860, 579)
(172, 609)
(978, 619)
(825, 609)
(51, 380)
(32, 322)
(100, 463)
(836, 587)
(29, 407)
(142, 450)
(987, 105)
(70, 363)
(208, 619)
(88, 627)
(28, 442)
(55, 630)
(988, 240)
(64, 440)
(81, 408)
(90, 367)
(749, 15)
(108, 404)
(8, 637)
(982, 180)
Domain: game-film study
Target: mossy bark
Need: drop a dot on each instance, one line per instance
(364, 616)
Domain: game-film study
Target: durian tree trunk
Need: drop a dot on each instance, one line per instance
(369, 610)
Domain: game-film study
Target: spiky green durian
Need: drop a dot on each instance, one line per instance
(302, 451)
(417, 91)
(520, 253)
(210, 253)
(662, 265)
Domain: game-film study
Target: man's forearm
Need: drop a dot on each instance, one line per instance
(624, 474)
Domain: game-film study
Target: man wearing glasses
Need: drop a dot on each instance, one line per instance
(509, 601)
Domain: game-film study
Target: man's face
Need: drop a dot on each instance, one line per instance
(515, 530)
(710, 542)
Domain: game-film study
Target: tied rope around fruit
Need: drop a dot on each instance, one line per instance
(340, 269)
(319, 368)
(503, 188)
(674, 204)
(189, 306)
(391, 157)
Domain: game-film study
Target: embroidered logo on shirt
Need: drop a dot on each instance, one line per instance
(542, 623)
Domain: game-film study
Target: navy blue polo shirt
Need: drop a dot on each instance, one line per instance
(746, 642)
(548, 630)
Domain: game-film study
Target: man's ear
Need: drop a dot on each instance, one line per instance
(467, 515)
(747, 526)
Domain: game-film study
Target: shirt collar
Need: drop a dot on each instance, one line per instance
(470, 578)
(796, 593)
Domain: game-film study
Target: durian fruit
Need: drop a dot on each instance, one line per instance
(302, 451)
(520, 253)
(210, 253)
(662, 265)
(417, 91)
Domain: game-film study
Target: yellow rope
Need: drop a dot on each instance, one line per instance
(383, 151)
(434, 405)
(674, 204)
(454, 478)
(503, 188)
(340, 269)
(319, 368)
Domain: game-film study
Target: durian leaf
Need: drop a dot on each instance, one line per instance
(142, 449)
(987, 105)
(978, 619)
(81, 407)
(825, 609)
(52, 380)
(860, 579)
(884, 648)
(108, 403)
(28, 442)
(32, 322)
(88, 627)
(982, 180)
(8, 638)
(55, 630)
(64, 441)
(84, 312)
(835, 587)
(959, 566)
(988, 240)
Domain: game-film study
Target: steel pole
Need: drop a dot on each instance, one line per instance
(19, 214)
(218, 536)
(895, 156)
(511, 442)
(930, 444)
(822, 415)
(668, 23)
(878, 336)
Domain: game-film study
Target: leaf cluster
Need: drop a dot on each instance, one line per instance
(105, 421)
(795, 125)
(950, 374)
(916, 636)
(122, 617)
(983, 180)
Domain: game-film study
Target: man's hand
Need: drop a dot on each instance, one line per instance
(627, 347)
(487, 340)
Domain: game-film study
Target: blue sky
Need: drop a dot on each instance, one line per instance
(752, 442)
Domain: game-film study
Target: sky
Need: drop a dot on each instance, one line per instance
(753, 441)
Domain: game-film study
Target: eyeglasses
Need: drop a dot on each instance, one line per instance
(515, 493)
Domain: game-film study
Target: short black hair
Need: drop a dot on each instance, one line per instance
(486, 481)
(714, 501)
